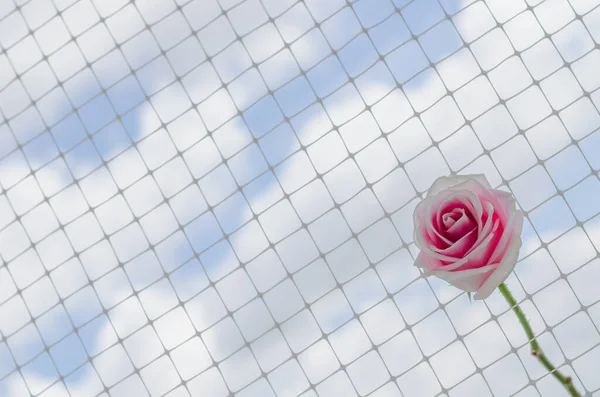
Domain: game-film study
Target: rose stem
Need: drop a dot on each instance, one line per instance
(535, 347)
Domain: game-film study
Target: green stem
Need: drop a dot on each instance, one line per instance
(535, 347)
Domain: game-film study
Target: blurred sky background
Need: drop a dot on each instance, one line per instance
(214, 198)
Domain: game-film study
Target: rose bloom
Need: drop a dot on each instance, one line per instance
(468, 233)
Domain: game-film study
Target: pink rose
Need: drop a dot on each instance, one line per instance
(468, 233)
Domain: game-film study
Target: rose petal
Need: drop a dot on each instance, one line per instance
(423, 213)
(504, 203)
(444, 182)
(448, 221)
(514, 227)
(487, 227)
(424, 209)
(505, 267)
(443, 241)
(461, 227)
(427, 263)
(463, 274)
(461, 199)
(470, 284)
(450, 218)
(450, 262)
(483, 251)
(458, 199)
(426, 249)
(466, 280)
(422, 242)
(475, 258)
(426, 216)
(459, 249)
(427, 236)
(474, 254)
(499, 199)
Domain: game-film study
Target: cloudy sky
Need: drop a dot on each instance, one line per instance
(214, 198)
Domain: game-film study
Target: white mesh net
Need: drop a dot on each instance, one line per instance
(214, 198)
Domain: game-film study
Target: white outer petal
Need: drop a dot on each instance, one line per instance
(460, 275)
(514, 227)
(444, 182)
(487, 229)
(506, 265)
(466, 280)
